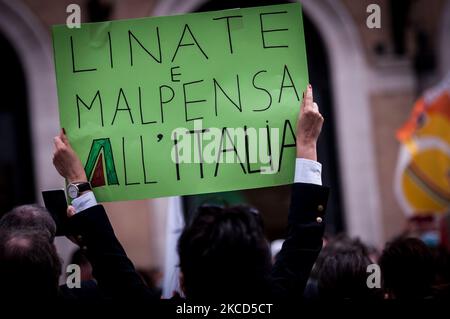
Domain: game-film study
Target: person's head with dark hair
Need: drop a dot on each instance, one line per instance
(29, 265)
(31, 217)
(341, 270)
(407, 267)
(224, 254)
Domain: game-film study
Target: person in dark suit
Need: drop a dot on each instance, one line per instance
(223, 253)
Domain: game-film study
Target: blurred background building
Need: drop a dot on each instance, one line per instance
(365, 79)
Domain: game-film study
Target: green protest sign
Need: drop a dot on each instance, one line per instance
(187, 104)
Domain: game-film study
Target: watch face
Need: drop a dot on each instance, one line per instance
(72, 190)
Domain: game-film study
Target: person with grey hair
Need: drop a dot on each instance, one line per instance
(29, 265)
(29, 217)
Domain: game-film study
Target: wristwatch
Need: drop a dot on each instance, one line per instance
(76, 188)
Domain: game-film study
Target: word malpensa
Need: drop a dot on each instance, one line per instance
(138, 112)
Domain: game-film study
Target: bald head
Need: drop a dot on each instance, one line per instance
(29, 264)
(29, 217)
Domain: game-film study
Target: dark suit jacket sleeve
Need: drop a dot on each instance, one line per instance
(114, 272)
(304, 241)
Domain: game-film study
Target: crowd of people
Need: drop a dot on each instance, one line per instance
(223, 253)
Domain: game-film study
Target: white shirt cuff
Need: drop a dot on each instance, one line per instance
(308, 171)
(84, 202)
